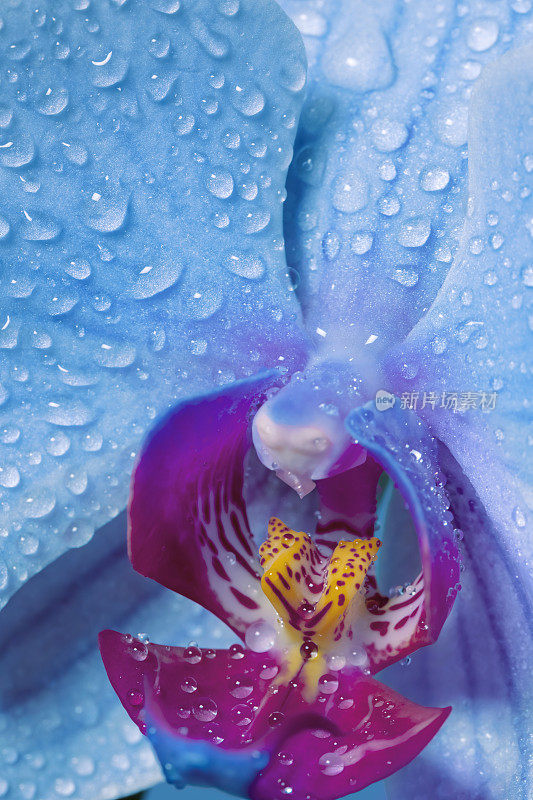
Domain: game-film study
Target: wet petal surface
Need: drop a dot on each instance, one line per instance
(143, 154)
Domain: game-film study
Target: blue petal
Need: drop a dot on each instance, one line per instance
(376, 189)
(143, 156)
(63, 732)
(480, 665)
(476, 337)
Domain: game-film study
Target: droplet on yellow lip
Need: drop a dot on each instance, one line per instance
(312, 594)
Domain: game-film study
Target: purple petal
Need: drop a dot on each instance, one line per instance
(399, 441)
(204, 694)
(475, 340)
(480, 664)
(376, 732)
(188, 524)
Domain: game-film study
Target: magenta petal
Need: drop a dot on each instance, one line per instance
(381, 732)
(212, 695)
(188, 527)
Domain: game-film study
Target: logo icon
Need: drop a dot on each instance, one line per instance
(384, 400)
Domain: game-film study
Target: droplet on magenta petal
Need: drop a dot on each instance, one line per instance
(189, 685)
(328, 684)
(331, 763)
(241, 687)
(205, 710)
(192, 654)
(260, 637)
(236, 651)
(138, 651)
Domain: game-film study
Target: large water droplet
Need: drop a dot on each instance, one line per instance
(350, 193)
(205, 710)
(388, 134)
(434, 179)
(247, 98)
(246, 265)
(414, 232)
(483, 34)
(220, 183)
(53, 102)
(260, 637)
(108, 70)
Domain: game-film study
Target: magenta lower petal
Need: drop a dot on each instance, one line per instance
(202, 708)
(201, 694)
(188, 527)
(379, 731)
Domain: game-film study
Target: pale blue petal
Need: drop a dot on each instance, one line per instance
(377, 189)
(63, 732)
(476, 338)
(143, 155)
(477, 335)
(481, 666)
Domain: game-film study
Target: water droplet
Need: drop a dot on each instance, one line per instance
(389, 204)
(527, 275)
(350, 193)
(67, 412)
(388, 134)
(17, 152)
(108, 70)
(115, 355)
(79, 532)
(53, 102)
(483, 34)
(241, 715)
(406, 276)
(39, 504)
(183, 124)
(414, 232)
(192, 654)
(247, 99)
(260, 637)
(205, 710)
(328, 684)
(362, 242)
(387, 171)
(241, 687)
(138, 651)
(247, 265)
(434, 179)
(331, 763)
(220, 184)
(452, 125)
(236, 652)
(9, 477)
(519, 518)
(78, 269)
(153, 280)
(39, 228)
(109, 215)
(189, 685)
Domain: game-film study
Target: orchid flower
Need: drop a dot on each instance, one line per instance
(164, 165)
(295, 712)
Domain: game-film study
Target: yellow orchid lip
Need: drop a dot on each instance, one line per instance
(313, 595)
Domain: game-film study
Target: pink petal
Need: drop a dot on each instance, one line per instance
(379, 731)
